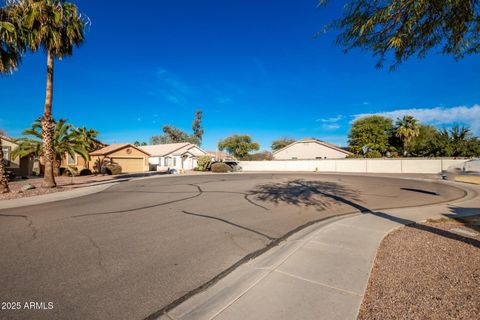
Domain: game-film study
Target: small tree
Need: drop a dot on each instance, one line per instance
(203, 162)
(406, 130)
(281, 143)
(197, 128)
(238, 146)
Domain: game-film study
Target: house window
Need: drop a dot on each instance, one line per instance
(71, 161)
(7, 155)
(174, 161)
(167, 161)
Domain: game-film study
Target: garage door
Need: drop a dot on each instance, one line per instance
(130, 164)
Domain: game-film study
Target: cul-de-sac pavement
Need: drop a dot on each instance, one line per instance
(141, 247)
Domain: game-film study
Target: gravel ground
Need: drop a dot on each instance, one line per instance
(63, 183)
(426, 271)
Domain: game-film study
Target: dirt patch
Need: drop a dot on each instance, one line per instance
(468, 179)
(63, 184)
(427, 271)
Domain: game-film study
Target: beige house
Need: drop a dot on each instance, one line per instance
(21, 166)
(308, 149)
(180, 156)
(129, 157)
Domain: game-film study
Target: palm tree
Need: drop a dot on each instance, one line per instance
(407, 129)
(3, 173)
(88, 138)
(11, 48)
(12, 44)
(57, 27)
(65, 141)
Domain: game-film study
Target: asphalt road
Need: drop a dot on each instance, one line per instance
(136, 247)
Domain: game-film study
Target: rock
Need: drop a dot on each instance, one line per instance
(26, 187)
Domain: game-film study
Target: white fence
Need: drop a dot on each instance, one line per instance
(420, 165)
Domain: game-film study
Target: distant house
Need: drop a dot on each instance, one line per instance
(129, 157)
(220, 156)
(310, 149)
(180, 156)
(21, 166)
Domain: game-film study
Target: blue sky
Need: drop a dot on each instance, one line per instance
(253, 67)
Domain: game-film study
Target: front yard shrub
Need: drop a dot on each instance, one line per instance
(10, 175)
(203, 163)
(221, 167)
(86, 172)
(69, 171)
(113, 169)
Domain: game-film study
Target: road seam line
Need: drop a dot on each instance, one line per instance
(319, 283)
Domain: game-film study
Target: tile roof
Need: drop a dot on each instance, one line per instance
(114, 147)
(332, 146)
(160, 150)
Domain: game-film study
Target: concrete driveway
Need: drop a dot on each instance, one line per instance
(139, 246)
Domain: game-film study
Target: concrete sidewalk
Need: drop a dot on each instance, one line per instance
(320, 273)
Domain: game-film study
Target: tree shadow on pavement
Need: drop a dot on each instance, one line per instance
(323, 194)
(318, 194)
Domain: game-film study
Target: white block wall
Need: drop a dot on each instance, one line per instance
(427, 166)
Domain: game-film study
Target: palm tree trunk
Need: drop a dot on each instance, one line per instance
(405, 150)
(3, 173)
(48, 128)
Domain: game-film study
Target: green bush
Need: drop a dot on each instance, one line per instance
(203, 163)
(221, 167)
(86, 172)
(373, 154)
(113, 169)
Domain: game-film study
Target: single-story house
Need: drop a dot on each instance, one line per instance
(129, 157)
(21, 166)
(180, 156)
(310, 148)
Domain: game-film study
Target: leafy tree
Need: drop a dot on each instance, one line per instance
(372, 132)
(463, 143)
(281, 143)
(427, 143)
(238, 146)
(3, 172)
(56, 27)
(260, 156)
(455, 142)
(197, 126)
(406, 130)
(138, 143)
(65, 141)
(173, 134)
(405, 28)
